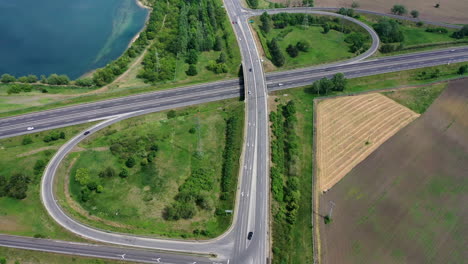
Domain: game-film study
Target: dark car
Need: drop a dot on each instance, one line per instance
(86, 133)
(250, 69)
(250, 235)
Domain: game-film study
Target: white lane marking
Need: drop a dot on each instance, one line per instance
(122, 256)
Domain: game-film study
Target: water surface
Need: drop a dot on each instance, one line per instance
(65, 36)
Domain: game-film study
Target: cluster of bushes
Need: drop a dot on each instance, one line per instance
(284, 178)
(357, 42)
(193, 193)
(89, 185)
(348, 12)
(196, 26)
(324, 86)
(16, 187)
(463, 32)
(53, 136)
(53, 79)
(389, 31)
(440, 30)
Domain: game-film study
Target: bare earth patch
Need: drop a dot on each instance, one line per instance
(9, 223)
(350, 128)
(450, 11)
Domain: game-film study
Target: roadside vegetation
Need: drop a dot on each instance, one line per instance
(170, 174)
(299, 40)
(417, 99)
(401, 36)
(22, 161)
(21, 256)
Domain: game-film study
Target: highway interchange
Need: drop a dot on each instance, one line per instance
(252, 209)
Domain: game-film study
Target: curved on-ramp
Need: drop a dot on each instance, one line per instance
(221, 246)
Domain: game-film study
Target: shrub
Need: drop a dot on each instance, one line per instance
(123, 173)
(399, 10)
(292, 51)
(108, 172)
(171, 114)
(130, 162)
(463, 69)
(27, 141)
(17, 186)
(85, 82)
(82, 176)
(415, 13)
(192, 70)
(303, 45)
(355, 5)
(192, 130)
(7, 78)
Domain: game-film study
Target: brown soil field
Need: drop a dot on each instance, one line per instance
(406, 202)
(350, 128)
(450, 11)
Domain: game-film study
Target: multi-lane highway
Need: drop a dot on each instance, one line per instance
(196, 94)
(251, 214)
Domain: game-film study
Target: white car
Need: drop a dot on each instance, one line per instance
(30, 128)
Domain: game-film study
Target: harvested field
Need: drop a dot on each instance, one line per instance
(450, 11)
(406, 202)
(350, 128)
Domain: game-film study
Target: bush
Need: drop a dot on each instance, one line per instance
(303, 45)
(7, 78)
(108, 172)
(192, 70)
(55, 79)
(415, 13)
(399, 10)
(130, 162)
(123, 173)
(463, 69)
(171, 114)
(389, 31)
(27, 141)
(85, 82)
(192, 130)
(17, 186)
(355, 5)
(292, 51)
(82, 176)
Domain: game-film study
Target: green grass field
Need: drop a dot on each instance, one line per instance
(137, 204)
(27, 217)
(324, 48)
(21, 256)
(417, 99)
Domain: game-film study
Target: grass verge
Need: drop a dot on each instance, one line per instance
(27, 155)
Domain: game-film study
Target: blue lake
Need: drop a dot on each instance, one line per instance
(69, 37)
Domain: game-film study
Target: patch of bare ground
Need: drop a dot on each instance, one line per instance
(406, 202)
(9, 223)
(450, 11)
(350, 128)
(80, 210)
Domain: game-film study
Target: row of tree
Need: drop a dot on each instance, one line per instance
(325, 86)
(53, 79)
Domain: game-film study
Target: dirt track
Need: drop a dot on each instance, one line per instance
(350, 128)
(406, 202)
(450, 11)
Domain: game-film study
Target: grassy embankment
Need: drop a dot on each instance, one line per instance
(27, 155)
(416, 38)
(21, 256)
(324, 48)
(293, 243)
(130, 84)
(417, 99)
(179, 183)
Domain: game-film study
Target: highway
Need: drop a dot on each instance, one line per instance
(252, 206)
(196, 94)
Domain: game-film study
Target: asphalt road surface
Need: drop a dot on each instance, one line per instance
(167, 99)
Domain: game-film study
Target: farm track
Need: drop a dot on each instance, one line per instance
(351, 128)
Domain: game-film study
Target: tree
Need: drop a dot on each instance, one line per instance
(303, 45)
(339, 82)
(388, 31)
(32, 78)
(292, 51)
(399, 10)
(415, 13)
(253, 3)
(108, 172)
(463, 32)
(192, 70)
(84, 82)
(463, 69)
(276, 54)
(82, 176)
(326, 28)
(355, 5)
(18, 186)
(192, 57)
(218, 45)
(357, 42)
(23, 79)
(326, 85)
(222, 58)
(7, 78)
(267, 23)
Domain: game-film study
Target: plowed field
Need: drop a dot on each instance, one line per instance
(407, 201)
(350, 128)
